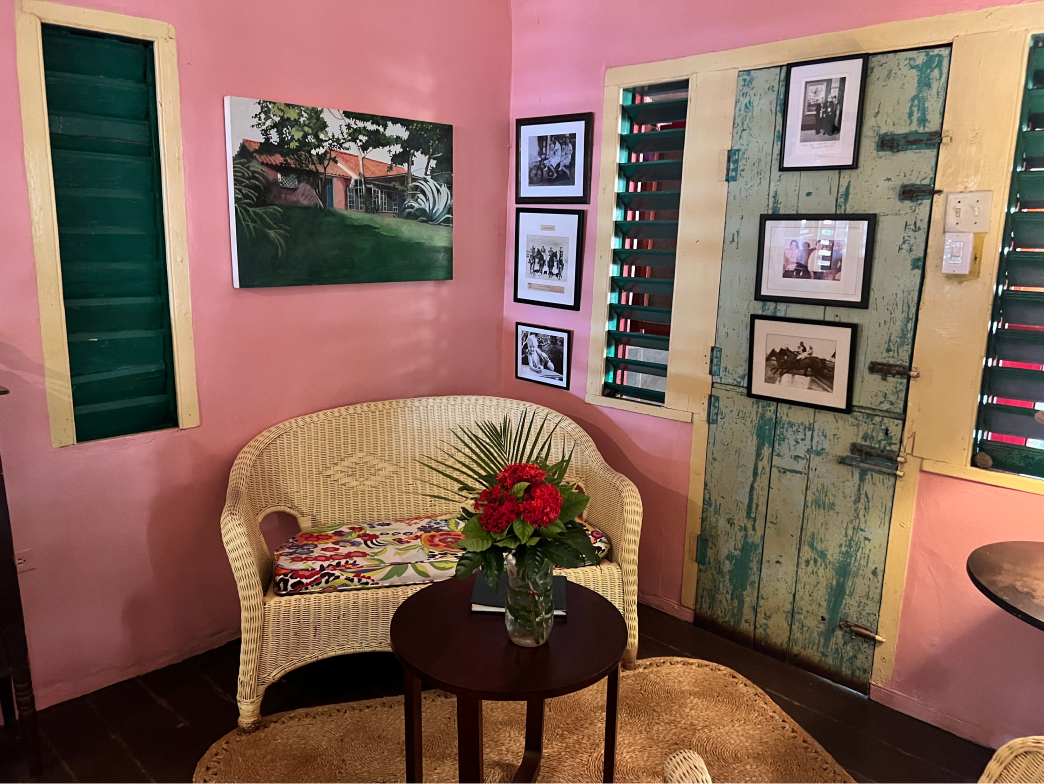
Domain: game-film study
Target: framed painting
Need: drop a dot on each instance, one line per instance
(808, 363)
(549, 251)
(543, 355)
(823, 114)
(815, 259)
(553, 159)
(320, 196)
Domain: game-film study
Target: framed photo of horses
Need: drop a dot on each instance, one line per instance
(816, 259)
(553, 159)
(823, 114)
(808, 363)
(549, 252)
(543, 355)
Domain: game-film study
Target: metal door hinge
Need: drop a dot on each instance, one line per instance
(715, 361)
(890, 369)
(701, 549)
(712, 410)
(860, 631)
(732, 159)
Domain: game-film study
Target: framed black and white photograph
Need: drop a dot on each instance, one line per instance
(549, 251)
(543, 354)
(553, 159)
(823, 114)
(808, 363)
(816, 259)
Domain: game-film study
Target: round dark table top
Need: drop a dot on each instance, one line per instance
(435, 634)
(1011, 574)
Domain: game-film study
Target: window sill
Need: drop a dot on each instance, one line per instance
(639, 408)
(1012, 481)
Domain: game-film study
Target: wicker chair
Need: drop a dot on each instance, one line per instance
(1019, 760)
(359, 464)
(685, 767)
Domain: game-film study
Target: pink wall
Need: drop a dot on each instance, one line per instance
(131, 573)
(962, 663)
(989, 679)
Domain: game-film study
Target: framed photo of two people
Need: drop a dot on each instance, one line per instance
(553, 159)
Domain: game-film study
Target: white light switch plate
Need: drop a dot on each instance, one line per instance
(957, 253)
(969, 212)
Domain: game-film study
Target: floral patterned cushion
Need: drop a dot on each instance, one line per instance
(393, 552)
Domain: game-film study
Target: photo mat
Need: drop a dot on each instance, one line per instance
(549, 257)
(807, 363)
(553, 159)
(816, 259)
(822, 114)
(543, 355)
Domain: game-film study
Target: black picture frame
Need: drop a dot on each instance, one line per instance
(585, 198)
(578, 263)
(870, 219)
(851, 345)
(854, 164)
(567, 364)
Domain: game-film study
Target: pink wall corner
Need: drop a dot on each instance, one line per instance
(131, 573)
(560, 52)
(962, 663)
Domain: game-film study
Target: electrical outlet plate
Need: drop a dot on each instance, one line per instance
(24, 560)
(968, 213)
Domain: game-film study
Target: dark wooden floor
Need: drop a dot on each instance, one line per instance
(156, 727)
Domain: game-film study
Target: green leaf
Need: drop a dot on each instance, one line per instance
(493, 567)
(475, 545)
(467, 564)
(561, 553)
(519, 489)
(523, 530)
(556, 528)
(532, 559)
(473, 529)
(395, 571)
(509, 542)
(573, 505)
(533, 541)
(576, 535)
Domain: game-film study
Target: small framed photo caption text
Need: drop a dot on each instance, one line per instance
(543, 355)
(549, 252)
(553, 159)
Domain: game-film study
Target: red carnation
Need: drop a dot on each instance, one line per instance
(541, 505)
(497, 509)
(521, 472)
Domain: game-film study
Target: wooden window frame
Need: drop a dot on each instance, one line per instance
(30, 15)
(980, 126)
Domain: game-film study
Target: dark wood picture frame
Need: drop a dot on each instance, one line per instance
(859, 113)
(852, 346)
(868, 261)
(566, 365)
(585, 198)
(578, 266)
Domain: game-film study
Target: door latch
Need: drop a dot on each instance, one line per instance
(868, 458)
(860, 631)
(890, 369)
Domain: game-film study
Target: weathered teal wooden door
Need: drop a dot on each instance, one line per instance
(793, 541)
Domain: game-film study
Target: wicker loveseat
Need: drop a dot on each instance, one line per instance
(358, 464)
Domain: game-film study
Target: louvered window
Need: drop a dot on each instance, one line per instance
(101, 103)
(1010, 432)
(645, 230)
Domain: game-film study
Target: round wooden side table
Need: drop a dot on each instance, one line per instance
(441, 642)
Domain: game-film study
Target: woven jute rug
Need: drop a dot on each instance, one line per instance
(666, 705)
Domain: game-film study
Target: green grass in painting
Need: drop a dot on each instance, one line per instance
(337, 246)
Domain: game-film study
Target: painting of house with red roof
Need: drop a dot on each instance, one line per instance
(321, 196)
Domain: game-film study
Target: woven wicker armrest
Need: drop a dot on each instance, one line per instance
(1019, 760)
(685, 767)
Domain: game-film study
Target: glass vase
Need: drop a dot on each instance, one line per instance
(530, 608)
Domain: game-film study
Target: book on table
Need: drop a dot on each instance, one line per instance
(485, 600)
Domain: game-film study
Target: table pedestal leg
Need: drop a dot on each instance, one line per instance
(469, 739)
(530, 767)
(414, 736)
(612, 698)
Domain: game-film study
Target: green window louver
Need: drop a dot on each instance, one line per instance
(645, 231)
(101, 105)
(1010, 430)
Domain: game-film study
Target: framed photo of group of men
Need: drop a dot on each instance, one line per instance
(552, 166)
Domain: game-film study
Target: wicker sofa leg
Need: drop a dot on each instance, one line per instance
(250, 714)
(630, 658)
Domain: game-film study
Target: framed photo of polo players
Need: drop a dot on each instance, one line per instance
(543, 355)
(553, 159)
(823, 114)
(549, 251)
(808, 363)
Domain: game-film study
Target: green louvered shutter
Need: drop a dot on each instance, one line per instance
(101, 103)
(645, 231)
